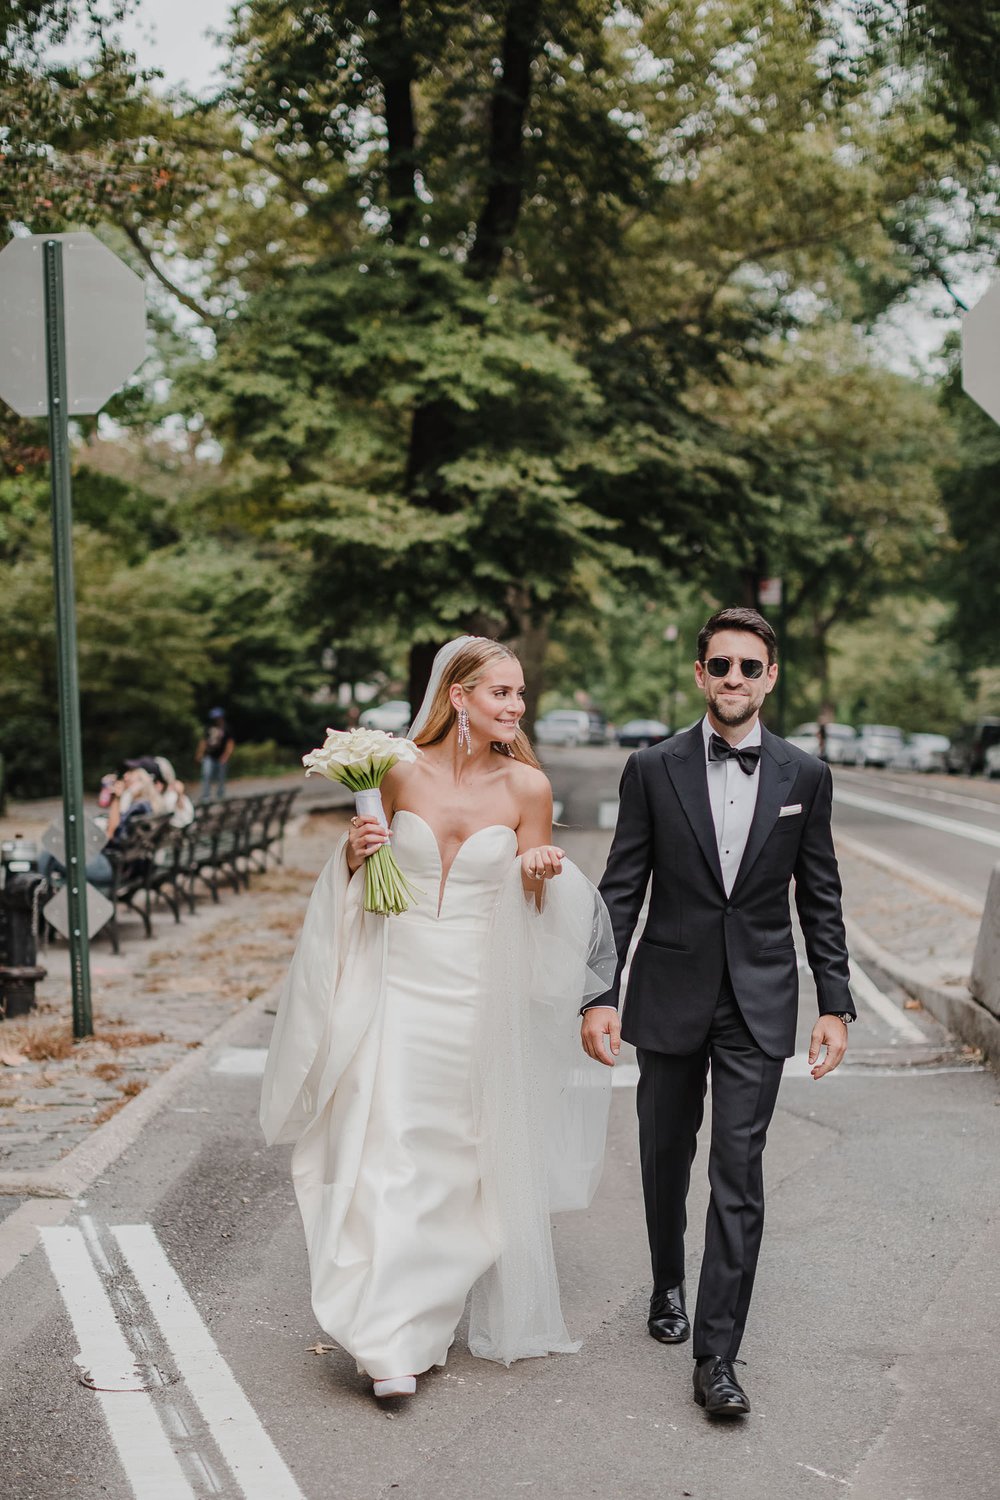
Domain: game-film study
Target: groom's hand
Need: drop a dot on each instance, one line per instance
(829, 1032)
(602, 1021)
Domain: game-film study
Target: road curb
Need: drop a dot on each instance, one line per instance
(952, 1005)
(73, 1174)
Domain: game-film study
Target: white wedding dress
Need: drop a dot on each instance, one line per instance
(428, 1068)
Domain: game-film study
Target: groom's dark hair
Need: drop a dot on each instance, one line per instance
(737, 618)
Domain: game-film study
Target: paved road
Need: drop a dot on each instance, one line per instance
(871, 1353)
(947, 827)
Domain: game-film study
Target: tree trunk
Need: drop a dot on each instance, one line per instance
(505, 179)
(821, 650)
(422, 654)
(531, 644)
(395, 67)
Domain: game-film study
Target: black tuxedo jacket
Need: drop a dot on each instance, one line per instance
(694, 931)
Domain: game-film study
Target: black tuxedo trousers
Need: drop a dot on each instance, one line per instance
(713, 991)
(670, 1103)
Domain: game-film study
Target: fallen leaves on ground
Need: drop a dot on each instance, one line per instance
(319, 1348)
(128, 1091)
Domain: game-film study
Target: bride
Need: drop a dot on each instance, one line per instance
(427, 1065)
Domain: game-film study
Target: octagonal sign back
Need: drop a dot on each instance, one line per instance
(981, 352)
(105, 310)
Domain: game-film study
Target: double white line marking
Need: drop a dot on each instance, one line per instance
(115, 1372)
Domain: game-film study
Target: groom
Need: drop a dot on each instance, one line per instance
(723, 817)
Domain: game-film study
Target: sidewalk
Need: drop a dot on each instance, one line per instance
(153, 1004)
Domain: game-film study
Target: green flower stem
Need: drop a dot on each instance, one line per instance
(387, 891)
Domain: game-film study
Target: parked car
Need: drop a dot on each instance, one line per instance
(967, 752)
(638, 733)
(598, 727)
(879, 743)
(563, 726)
(392, 717)
(842, 745)
(922, 752)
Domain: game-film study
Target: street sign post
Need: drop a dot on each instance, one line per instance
(73, 328)
(981, 352)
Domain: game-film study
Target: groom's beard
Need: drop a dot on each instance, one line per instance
(733, 714)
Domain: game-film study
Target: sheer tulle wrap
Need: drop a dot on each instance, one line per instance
(541, 1104)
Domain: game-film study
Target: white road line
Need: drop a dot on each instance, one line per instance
(241, 1062)
(865, 990)
(914, 815)
(150, 1463)
(256, 1463)
(933, 794)
(607, 813)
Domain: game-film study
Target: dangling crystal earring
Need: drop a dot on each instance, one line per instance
(464, 736)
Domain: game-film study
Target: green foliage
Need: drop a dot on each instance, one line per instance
(616, 653)
(516, 318)
(131, 621)
(897, 670)
(160, 641)
(315, 392)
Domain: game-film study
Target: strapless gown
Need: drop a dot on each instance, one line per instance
(413, 1239)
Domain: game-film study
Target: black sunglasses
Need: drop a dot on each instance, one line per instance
(718, 666)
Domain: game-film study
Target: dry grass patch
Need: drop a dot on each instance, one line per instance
(127, 1091)
(41, 1039)
(118, 1040)
(107, 1071)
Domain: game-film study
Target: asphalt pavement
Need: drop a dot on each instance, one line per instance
(947, 827)
(871, 1361)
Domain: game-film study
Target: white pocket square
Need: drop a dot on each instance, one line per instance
(793, 807)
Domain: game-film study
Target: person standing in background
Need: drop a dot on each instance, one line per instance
(214, 749)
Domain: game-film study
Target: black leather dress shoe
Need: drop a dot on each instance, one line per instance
(668, 1321)
(717, 1389)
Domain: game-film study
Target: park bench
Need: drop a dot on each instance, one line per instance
(224, 844)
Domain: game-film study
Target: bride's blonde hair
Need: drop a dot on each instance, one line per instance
(468, 667)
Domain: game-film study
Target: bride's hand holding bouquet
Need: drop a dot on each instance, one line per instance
(361, 759)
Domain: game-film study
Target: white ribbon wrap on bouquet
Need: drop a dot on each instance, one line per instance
(541, 1104)
(368, 804)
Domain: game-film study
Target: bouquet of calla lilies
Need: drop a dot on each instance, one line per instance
(361, 759)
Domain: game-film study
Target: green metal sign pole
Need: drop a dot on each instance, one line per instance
(69, 687)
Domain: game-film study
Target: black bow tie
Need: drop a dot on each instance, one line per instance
(720, 749)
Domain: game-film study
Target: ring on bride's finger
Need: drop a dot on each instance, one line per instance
(355, 822)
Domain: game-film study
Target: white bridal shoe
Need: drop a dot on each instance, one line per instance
(400, 1385)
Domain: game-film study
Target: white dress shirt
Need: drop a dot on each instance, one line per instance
(733, 795)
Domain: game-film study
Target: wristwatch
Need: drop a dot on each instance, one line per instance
(844, 1015)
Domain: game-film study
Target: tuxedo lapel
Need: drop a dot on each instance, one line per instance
(777, 775)
(684, 758)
